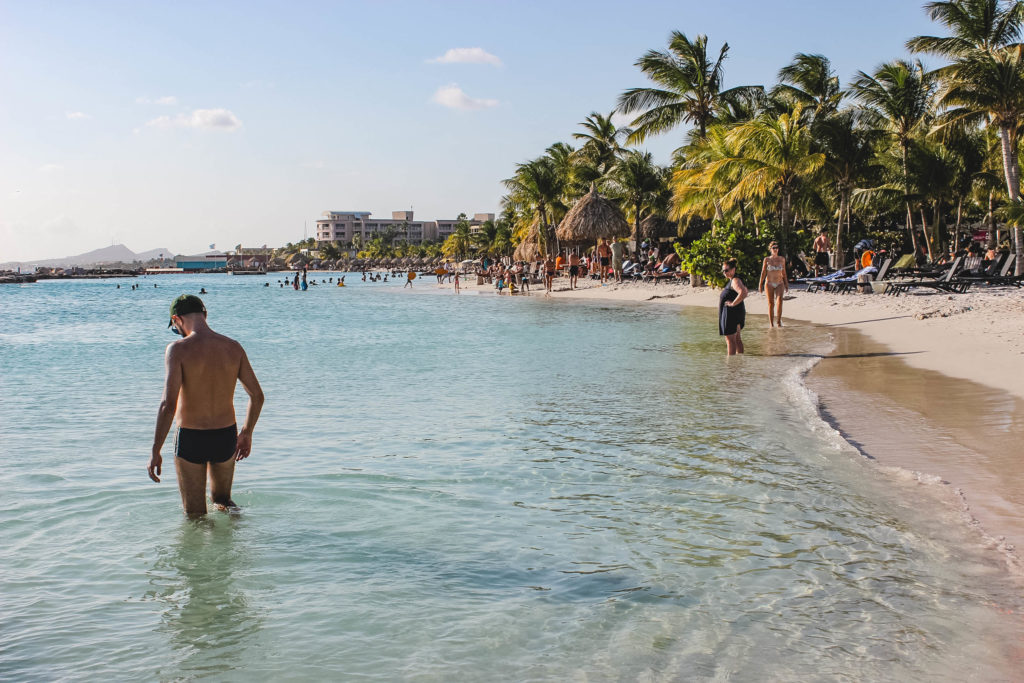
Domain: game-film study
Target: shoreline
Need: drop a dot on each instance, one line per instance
(911, 384)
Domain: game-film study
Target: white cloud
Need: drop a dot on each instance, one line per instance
(451, 96)
(206, 119)
(76, 115)
(167, 101)
(466, 55)
(49, 168)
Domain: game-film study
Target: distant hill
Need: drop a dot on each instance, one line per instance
(117, 253)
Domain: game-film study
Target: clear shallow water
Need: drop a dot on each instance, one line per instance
(465, 488)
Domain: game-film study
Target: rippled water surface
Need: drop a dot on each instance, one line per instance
(465, 488)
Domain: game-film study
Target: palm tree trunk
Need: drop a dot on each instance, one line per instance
(1011, 170)
(836, 258)
(636, 232)
(927, 235)
(784, 214)
(906, 198)
(993, 232)
(956, 230)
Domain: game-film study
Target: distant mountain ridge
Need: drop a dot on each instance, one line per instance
(116, 253)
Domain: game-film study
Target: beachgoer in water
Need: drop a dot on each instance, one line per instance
(574, 269)
(202, 370)
(202, 290)
(119, 286)
(821, 249)
(732, 314)
(410, 276)
(774, 283)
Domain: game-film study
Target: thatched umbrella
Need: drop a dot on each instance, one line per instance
(530, 248)
(592, 217)
(656, 227)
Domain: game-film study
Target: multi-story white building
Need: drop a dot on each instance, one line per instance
(352, 226)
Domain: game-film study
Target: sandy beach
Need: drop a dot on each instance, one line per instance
(928, 384)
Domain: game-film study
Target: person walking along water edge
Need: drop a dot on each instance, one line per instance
(732, 314)
(774, 282)
(202, 369)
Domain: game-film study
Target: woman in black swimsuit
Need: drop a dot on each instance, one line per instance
(732, 314)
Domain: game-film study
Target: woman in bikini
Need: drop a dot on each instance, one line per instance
(774, 283)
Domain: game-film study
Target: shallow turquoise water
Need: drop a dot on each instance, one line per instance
(465, 488)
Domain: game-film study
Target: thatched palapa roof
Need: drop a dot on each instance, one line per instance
(529, 249)
(592, 217)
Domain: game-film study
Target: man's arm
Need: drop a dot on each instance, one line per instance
(168, 406)
(252, 412)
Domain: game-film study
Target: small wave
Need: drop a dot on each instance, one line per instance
(809, 404)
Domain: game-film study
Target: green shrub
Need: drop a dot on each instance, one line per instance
(706, 254)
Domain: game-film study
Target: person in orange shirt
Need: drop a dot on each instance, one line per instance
(559, 262)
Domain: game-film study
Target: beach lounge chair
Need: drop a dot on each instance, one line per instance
(816, 283)
(944, 283)
(848, 284)
(845, 284)
(995, 279)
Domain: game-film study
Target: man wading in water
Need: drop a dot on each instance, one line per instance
(200, 387)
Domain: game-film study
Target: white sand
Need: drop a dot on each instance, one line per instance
(977, 336)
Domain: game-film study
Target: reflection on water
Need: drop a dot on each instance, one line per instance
(207, 615)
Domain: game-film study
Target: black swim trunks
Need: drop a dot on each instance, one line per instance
(574, 270)
(605, 261)
(821, 258)
(201, 446)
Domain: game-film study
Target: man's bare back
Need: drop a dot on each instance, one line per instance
(202, 370)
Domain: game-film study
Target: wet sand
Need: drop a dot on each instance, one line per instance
(966, 434)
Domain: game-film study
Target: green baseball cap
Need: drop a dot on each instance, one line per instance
(185, 304)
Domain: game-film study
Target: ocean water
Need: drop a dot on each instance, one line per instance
(469, 487)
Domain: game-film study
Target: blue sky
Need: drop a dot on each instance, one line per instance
(182, 124)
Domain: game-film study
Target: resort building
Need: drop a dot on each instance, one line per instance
(357, 226)
(201, 262)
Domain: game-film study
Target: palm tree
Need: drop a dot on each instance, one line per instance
(810, 81)
(849, 159)
(989, 86)
(985, 25)
(899, 96)
(600, 141)
(460, 241)
(638, 182)
(690, 88)
(774, 158)
(536, 189)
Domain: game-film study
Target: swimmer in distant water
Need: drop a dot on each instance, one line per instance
(202, 370)
(202, 290)
(411, 276)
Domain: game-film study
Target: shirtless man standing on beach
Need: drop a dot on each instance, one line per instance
(202, 370)
(821, 247)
